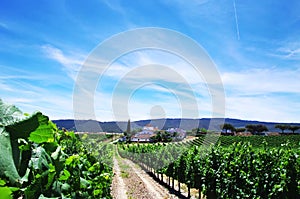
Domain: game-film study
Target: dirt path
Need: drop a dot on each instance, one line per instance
(130, 181)
(118, 185)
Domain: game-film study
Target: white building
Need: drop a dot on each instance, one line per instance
(145, 134)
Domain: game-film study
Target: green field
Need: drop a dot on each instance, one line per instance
(40, 161)
(236, 167)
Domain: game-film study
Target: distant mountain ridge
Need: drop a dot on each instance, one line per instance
(187, 124)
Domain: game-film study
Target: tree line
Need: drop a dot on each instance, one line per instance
(257, 129)
(254, 129)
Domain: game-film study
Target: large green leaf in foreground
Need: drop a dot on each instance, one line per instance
(7, 166)
(9, 114)
(13, 127)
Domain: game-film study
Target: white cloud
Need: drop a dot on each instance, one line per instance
(155, 65)
(56, 104)
(263, 94)
(192, 8)
(117, 70)
(115, 5)
(121, 103)
(287, 50)
(270, 108)
(71, 63)
(5, 86)
(248, 92)
(290, 51)
(32, 91)
(158, 74)
(259, 81)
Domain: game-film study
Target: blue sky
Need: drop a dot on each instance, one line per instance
(255, 46)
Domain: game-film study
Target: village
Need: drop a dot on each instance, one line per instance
(150, 133)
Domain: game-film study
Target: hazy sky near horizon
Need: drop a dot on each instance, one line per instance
(255, 46)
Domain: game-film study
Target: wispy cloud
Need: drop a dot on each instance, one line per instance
(145, 79)
(123, 106)
(290, 51)
(71, 63)
(260, 81)
(205, 14)
(31, 90)
(263, 108)
(154, 65)
(137, 68)
(193, 8)
(5, 86)
(115, 5)
(21, 79)
(262, 94)
(56, 104)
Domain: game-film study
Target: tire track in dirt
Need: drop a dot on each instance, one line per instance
(154, 189)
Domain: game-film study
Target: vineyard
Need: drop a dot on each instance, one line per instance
(249, 168)
(38, 160)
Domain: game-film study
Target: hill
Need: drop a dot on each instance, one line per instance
(187, 124)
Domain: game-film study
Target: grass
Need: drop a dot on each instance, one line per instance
(123, 167)
(124, 174)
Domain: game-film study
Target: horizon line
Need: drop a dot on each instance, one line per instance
(250, 120)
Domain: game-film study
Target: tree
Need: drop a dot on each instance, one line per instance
(240, 129)
(203, 130)
(261, 128)
(198, 132)
(282, 127)
(128, 131)
(256, 128)
(250, 128)
(166, 137)
(128, 127)
(226, 127)
(294, 128)
(157, 137)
